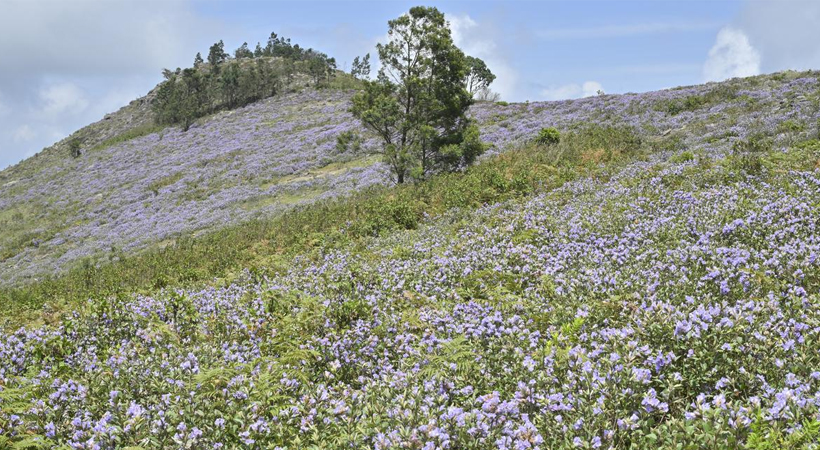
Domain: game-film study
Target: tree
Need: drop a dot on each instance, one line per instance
(257, 52)
(320, 67)
(417, 105)
(229, 84)
(479, 77)
(198, 60)
(194, 97)
(361, 68)
(217, 55)
(243, 52)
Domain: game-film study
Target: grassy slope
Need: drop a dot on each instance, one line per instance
(260, 244)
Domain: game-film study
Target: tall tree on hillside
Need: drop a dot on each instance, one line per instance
(229, 84)
(257, 52)
(479, 77)
(198, 60)
(418, 103)
(217, 55)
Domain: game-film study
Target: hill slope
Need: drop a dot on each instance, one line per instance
(266, 157)
(669, 302)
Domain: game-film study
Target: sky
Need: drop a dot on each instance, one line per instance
(67, 63)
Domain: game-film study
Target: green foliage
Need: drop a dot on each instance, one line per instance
(771, 436)
(131, 133)
(502, 103)
(217, 55)
(682, 157)
(746, 153)
(548, 136)
(165, 181)
(361, 67)
(756, 143)
(349, 142)
(187, 94)
(331, 223)
(790, 126)
(243, 52)
(717, 95)
(418, 103)
(479, 77)
(469, 146)
(74, 148)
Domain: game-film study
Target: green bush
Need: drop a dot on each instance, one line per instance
(548, 136)
(755, 143)
(349, 142)
(74, 148)
(682, 157)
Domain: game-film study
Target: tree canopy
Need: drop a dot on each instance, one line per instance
(479, 77)
(417, 104)
(226, 82)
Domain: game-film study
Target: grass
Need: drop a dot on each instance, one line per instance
(133, 133)
(266, 245)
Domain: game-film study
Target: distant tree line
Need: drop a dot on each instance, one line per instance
(225, 82)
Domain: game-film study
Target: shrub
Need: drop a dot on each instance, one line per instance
(548, 136)
(349, 142)
(74, 148)
(682, 157)
(755, 143)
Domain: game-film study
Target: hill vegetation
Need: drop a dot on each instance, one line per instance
(225, 83)
(622, 271)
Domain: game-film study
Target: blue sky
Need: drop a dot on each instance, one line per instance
(66, 63)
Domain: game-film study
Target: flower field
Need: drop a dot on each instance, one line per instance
(671, 302)
(264, 158)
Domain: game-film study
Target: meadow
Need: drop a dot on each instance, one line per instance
(649, 281)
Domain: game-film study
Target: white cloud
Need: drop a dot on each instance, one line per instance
(95, 36)
(624, 30)
(479, 40)
(64, 64)
(572, 90)
(731, 56)
(61, 98)
(23, 133)
(786, 33)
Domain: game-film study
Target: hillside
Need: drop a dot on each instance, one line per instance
(651, 281)
(258, 160)
(231, 167)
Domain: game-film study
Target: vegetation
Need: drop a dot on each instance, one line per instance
(638, 279)
(226, 83)
(263, 245)
(418, 103)
(74, 148)
(548, 136)
(131, 133)
(361, 67)
(479, 76)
